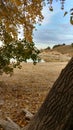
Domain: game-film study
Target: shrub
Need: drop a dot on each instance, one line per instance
(72, 44)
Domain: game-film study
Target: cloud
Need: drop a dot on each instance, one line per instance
(47, 16)
(53, 36)
(55, 29)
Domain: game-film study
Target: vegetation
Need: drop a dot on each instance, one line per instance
(27, 13)
(56, 113)
(72, 44)
(58, 45)
(64, 49)
(48, 48)
(15, 52)
(13, 16)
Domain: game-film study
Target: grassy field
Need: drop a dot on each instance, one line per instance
(27, 88)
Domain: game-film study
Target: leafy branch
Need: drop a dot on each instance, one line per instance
(15, 52)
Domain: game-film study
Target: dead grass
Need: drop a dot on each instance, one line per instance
(27, 88)
(54, 56)
(67, 49)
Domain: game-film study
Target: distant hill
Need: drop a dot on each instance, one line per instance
(65, 49)
(54, 56)
(58, 53)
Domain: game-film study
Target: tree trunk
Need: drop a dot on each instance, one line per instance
(56, 113)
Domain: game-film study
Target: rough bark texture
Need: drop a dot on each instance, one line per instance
(56, 113)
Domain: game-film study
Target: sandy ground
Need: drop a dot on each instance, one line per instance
(27, 88)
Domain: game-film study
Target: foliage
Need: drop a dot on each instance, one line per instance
(48, 48)
(71, 15)
(15, 52)
(58, 45)
(27, 13)
(62, 7)
(63, 44)
(13, 15)
(72, 44)
(50, 2)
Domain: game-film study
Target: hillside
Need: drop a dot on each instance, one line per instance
(66, 49)
(60, 53)
(54, 56)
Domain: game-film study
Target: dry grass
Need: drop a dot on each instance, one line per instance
(58, 54)
(27, 88)
(67, 49)
(54, 56)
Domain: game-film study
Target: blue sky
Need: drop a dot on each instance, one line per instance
(55, 29)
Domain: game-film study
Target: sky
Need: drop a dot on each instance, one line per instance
(55, 28)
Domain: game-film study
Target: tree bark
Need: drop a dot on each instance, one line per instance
(56, 113)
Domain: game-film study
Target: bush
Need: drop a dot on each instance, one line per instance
(48, 48)
(63, 44)
(58, 45)
(72, 44)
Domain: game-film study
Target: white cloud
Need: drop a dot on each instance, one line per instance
(55, 29)
(64, 36)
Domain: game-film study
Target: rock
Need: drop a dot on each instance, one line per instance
(28, 115)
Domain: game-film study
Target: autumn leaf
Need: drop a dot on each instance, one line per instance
(65, 13)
